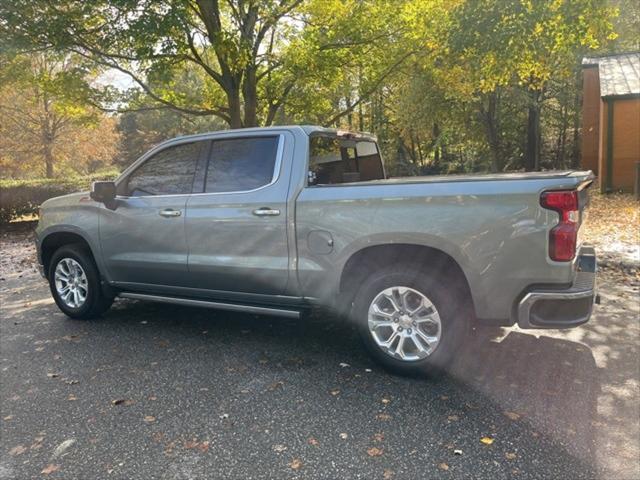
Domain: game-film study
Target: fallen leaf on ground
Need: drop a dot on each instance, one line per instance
(512, 415)
(378, 437)
(453, 418)
(375, 451)
(443, 466)
(344, 436)
(279, 448)
(224, 416)
(313, 441)
(387, 474)
(457, 452)
(386, 400)
(72, 382)
(383, 416)
(334, 392)
(149, 418)
(510, 456)
(368, 370)
(444, 397)
(50, 469)
(72, 397)
(17, 450)
(276, 385)
(486, 440)
(7, 418)
(53, 375)
(344, 365)
(122, 401)
(63, 447)
(296, 464)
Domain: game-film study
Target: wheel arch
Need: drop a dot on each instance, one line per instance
(56, 239)
(375, 257)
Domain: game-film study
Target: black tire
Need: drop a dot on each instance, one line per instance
(448, 297)
(96, 302)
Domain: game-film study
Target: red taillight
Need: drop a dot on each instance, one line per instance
(563, 237)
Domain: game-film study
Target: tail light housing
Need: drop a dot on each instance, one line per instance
(564, 236)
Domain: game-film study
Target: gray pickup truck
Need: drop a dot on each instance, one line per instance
(278, 220)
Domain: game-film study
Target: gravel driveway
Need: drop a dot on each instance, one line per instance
(153, 391)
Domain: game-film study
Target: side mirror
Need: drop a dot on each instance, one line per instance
(104, 192)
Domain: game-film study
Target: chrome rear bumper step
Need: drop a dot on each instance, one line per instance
(563, 308)
(233, 307)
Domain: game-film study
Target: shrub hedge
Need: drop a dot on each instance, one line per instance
(23, 197)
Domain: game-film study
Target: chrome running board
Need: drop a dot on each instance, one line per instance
(233, 307)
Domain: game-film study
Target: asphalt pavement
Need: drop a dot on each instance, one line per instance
(156, 391)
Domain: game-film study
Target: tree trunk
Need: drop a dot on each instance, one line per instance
(532, 152)
(249, 92)
(235, 111)
(47, 153)
(436, 151)
(577, 115)
(489, 118)
(562, 137)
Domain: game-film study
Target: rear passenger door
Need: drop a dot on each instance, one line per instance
(237, 228)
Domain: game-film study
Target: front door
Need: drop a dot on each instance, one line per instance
(143, 239)
(237, 228)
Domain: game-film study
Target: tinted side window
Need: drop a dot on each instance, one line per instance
(240, 164)
(168, 172)
(334, 160)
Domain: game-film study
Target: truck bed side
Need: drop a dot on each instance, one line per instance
(495, 230)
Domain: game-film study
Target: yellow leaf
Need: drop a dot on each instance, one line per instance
(510, 456)
(296, 464)
(374, 452)
(486, 440)
(443, 466)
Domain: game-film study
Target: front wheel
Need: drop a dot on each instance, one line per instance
(411, 322)
(75, 283)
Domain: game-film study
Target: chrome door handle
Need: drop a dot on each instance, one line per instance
(170, 212)
(266, 212)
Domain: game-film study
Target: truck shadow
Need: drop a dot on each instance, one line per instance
(536, 396)
(550, 385)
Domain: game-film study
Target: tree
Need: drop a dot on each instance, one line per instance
(48, 127)
(251, 54)
(527, 43)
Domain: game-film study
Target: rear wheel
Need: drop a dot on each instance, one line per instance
(411, 322)
(75, 283)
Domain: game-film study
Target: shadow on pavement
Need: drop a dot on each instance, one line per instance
(536, 396)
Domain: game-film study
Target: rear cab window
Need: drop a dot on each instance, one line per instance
(343, 159)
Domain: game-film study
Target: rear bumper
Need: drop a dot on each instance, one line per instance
(548, 308)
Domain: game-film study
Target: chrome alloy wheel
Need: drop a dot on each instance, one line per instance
(404, 323)
(71, 283)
